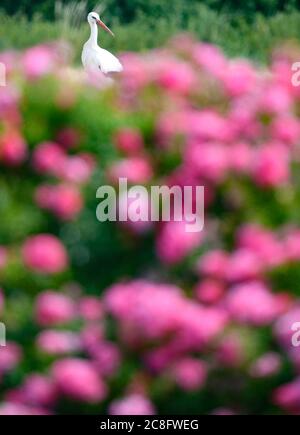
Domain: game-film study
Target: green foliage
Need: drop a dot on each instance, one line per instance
(234, 34)
(129, 10)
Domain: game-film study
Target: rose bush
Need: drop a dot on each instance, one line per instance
(143, 319)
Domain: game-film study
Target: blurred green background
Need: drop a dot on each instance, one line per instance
(242, 28)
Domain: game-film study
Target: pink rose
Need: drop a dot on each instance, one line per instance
(135, 169)
(64, 200)
(44, 254)
(134, 404)
(174, 242)
(271, 166)
(53, 308)
(49, 158)
(78, 379)
(38, 61)
(54, 342)
(129, 141)
(13, 149)
(190, 374)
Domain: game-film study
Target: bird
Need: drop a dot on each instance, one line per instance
(95, 58)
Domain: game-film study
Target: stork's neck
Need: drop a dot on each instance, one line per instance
(94, 34)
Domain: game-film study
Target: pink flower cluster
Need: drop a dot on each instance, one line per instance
(196, 313)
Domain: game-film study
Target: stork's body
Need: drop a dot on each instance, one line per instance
(93, 57)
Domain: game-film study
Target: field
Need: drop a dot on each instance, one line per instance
(236, 35)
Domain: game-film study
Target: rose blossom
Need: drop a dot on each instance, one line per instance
(44, 254)
(38, 61)
(135, 169)
(271, 165)
(78, 379)
(190, 374)
(13, 149)
(129, 141)
(64, 200)
(55, 342)
(49, 157)
(53, 308)
(174, 242)
(10, 357)
(134, 404)
(252, 303)
(268, 364)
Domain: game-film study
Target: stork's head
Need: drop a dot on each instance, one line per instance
(94, 18)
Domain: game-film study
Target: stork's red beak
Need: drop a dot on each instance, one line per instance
(104, 26)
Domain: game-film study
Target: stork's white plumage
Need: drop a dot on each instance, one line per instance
(93, 57)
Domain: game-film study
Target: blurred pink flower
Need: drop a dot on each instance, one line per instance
(292, 246)
(230, 350)
(262, 242)
(107, 358)
(64, 200)
(13, 149)
(287, 396)
(190, 374)
(92, 335)
(129, 141)
(185, 116)
(68, 137)
(176, 76)
(9, 99)
(241, 156)
(283, 326)
(78, 379)
(286, 129)
(239, 78)
(49, 157)
(252, 303)
(44, 254)
(10, 59)
(243, 264)
(209, 291)
(271, 165)
(153, 310)
(10, 357)
(275, 99)
(206, 125)
(139, 205)
(53, 308)
(200, 126)
(135, 169)
(91, 308)
(54, 342)
(37, 390)
(134, 404)
(38, 61)
(243, 119)
(135, 74)
(213, 264)
(78, 168)
(199, 325)
(7, 408)
(210, 58)
(161, 358)
(268, 364)
(174, 243)
(208, 160)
